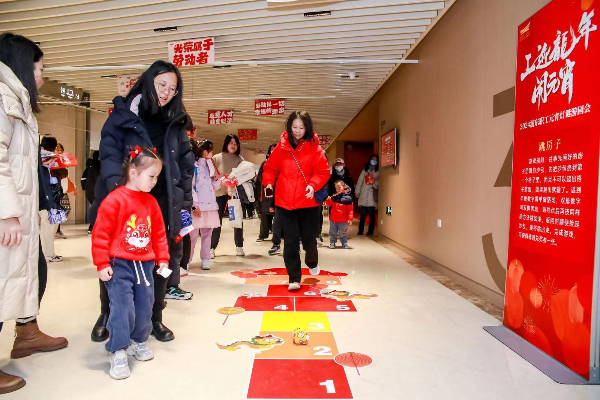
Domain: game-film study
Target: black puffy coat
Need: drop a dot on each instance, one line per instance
(122, 131)
(334, 177)
(265, 203)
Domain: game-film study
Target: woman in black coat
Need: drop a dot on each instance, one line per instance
(152, 115)
(339, 171)
(266, 204)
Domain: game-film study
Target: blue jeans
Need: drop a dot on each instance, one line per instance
(131, 294)
(338, 228)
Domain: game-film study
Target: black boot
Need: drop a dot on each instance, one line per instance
(161, 332)
(100, 333)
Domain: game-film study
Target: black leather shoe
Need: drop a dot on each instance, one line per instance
(100, 333)
(161, 332)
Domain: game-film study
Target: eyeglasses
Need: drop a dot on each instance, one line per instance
(162, 86)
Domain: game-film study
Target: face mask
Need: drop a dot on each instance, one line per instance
(373, 162)
(339, 169)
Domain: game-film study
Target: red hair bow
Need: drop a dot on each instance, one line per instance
(135, 152)
(154, 150)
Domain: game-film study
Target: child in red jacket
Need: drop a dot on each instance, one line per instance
(341, 214)
(128, 239)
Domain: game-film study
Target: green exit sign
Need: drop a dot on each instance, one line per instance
(388, 210)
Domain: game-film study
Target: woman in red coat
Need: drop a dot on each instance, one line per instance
(299, 165)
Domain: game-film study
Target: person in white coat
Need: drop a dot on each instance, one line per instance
(366, 192)
(21, 66)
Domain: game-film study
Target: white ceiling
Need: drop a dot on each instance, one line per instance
(119, 33)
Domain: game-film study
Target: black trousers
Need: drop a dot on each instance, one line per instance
(320, 220)
(277, 229)
(301, 223)
(266, 223)
(160, 283)
(363, 216)
(238, 233)
(187, 250)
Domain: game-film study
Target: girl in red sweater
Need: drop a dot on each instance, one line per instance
(341, 214)
(128, 239)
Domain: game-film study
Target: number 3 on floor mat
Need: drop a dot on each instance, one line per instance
(329, 385)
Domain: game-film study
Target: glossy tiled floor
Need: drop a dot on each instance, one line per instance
(426, 342)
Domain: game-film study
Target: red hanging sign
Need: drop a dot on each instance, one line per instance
(247, 134)
(269, 107)
(549, 281)
(216, 117)
(324, 140)
(192, 52)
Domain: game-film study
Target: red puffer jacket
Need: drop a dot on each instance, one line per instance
(291, 188)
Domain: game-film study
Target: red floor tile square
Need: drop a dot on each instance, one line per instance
(265, 303)
(298, 379)
(305, 291)
(323, 305)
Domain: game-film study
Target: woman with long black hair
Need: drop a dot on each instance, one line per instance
(153, 116)
(299, 166)
(23, 269)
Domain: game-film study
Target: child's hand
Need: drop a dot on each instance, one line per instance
(105, 274)
(350, 222)
(196, 213)
(161, 266)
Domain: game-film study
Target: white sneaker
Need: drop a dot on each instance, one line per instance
(140, 351)
(54, 259)
(119, 365)
(239, 251)
(315, 271)
(206, 265)
(212, 253)
(183, 272)
(294, 286)
(332, 245)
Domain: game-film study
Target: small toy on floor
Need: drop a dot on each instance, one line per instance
(300, 336)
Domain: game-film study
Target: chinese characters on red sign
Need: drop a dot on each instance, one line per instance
(324, 140)
(269, 107)
(192, 52)
(555, 183)
(247, 134)
(216, 117)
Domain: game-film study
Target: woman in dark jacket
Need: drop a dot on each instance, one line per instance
(299, 166)
(339, 171)
(266, 204)
(152, 115)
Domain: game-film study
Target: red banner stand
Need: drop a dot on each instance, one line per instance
(551, 303)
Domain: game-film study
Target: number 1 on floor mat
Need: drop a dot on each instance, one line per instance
(329, 385)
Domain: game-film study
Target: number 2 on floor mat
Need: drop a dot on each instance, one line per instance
(322, 351)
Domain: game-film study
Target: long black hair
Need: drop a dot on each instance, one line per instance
(19, 53)
(368, 164)
(226, 143)
(49, 143)
(198, 148)
(146, 87)
(308, 127)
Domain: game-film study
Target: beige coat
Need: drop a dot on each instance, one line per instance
(18, 198)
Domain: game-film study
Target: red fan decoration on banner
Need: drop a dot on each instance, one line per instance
(352, 359)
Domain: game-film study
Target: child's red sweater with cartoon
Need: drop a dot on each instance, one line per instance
(130, 226)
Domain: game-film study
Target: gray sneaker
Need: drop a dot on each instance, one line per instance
(345, 246)
(119, 366)
(140, 351)
(315, 271)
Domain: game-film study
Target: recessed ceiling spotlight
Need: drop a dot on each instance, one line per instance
(165, 29)
(108, 76)
(221, 66)
(317, 14)
(351, 75)
(263, 94)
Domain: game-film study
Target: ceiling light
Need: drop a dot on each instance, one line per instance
(351, 75)
(108, 76)
(317, 14)
(263, 95)
(165, 29)
(221, 66)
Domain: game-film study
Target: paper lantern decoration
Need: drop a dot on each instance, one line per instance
(352, 359)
